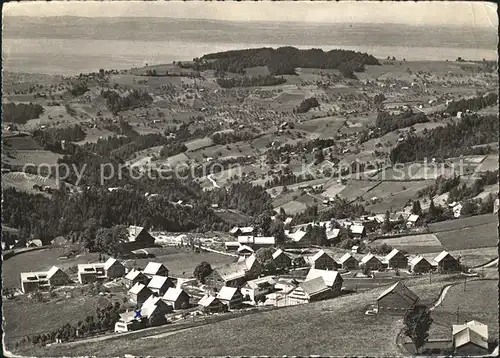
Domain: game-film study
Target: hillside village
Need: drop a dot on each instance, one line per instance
(272, 199)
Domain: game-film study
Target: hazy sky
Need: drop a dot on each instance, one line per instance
(412, 13)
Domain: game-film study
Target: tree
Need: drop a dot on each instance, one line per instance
(277, 230)
(202, 271)
(416, 208)
(263, 223)
(417, 322)
(386, 225)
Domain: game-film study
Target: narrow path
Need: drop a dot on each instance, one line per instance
(217, 252)
(214, 183)
(441, 297)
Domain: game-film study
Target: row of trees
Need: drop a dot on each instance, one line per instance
(172, 149)
(306, 105)
(246, 81)
(452, 140)
(132, 100)
(223, 138)
(284, 60)
(50, 138)
(20, 113)
(387, 122)
(473, 104)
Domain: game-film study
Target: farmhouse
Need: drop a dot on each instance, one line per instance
(332, 234)
(322, 261)
(281, 260)
(413, 220)
(91, 272)
(396, 259)
(231, 297)
(177, 298)
(211, 304)
(32, 281)
(134, 277)
(152, 301)
(358, 231)
(371, 262)
(113, 268)
(232, 275)
(348, 262)
(245, 250)
(232, 245)
(160, 284)
(34, 243)
(255, 289)
(470, 339)
(138, 238)
(396, 299)
(318, 285)
(130, 321)
(419, 264)
(139, 293)
(237, 231)
(446, 262)
(155, 269)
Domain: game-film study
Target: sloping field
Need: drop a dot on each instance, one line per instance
(463, 223)
(292, 207)
(394, 195)
(199, 143)
(38, 260)
(356, 188)
(415, 244)
(489, 163)
(24, 181)
(477, 300)
(21, 143)
(27, 318)
(329, 325)
(468, 238)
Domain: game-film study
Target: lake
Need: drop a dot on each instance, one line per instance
(69, 46)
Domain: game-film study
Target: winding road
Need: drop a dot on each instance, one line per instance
(214, 183)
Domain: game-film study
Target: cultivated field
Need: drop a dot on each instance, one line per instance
(416, 244)
(474, 300)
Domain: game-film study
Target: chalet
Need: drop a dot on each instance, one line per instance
(446, 262)
(153, 300)
(113, 268)
(232, 275)
(177, 298)
(348, 262)
(155, 269)
(160, 284)
(396, 299)
(419, 265)
(230, 296)
(139, 293)
(332, 234)
(298, 236)
(32, 281)
(413, 220)
(138, 238)
(91, 272)
(396, 259)
(371, 262)
(358, 231)
(318, 285)
(130, 321)
(211, 304)
(281, 260)
(255, 289)
(257, 242)
(252, 267)
(134, 277)
(396, 218)
(238, 231)
(322, 261)
(232, 245)
(245, 250)
(34, 243)
(470, 339)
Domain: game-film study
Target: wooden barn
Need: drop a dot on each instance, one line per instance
(397, 299)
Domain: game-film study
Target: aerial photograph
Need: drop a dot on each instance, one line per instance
(250, 178)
